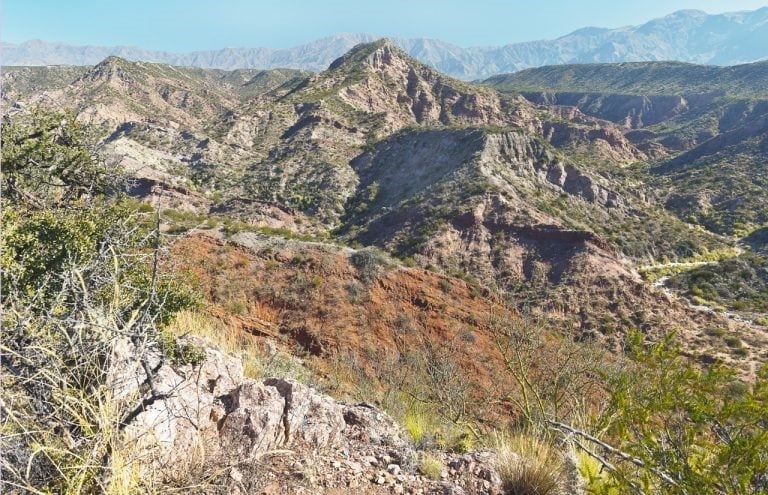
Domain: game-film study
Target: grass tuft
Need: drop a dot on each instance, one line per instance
(431, 467)
(528, 465)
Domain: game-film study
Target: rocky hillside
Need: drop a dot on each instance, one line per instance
(704, 129)
(647, 79)
(487, 267)
(381, 150)
(703, 125)
(688, 36)
(226, 433)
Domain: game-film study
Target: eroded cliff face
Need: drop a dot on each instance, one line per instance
(292, 141)
(410, 93)
(530, 157)
(631, 111)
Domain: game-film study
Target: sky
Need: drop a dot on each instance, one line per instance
(187, 25)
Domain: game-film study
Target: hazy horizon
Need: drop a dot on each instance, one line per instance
(176, 26)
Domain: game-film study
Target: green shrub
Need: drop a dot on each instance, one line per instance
(690, 429)
(431, 467)
(370, 263)
(81, 271)
(528, 465)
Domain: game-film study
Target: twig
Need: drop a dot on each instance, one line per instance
(613, 450)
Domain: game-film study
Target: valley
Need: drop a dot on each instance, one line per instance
(390, 234)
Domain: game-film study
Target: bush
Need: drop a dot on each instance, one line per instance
(81, 275)
(415, 425)
(675, 428)
(598, 479)
(528, 465)
(370, 264)
(431, 467)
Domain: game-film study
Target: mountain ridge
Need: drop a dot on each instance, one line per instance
(382, 150)
(690, 36)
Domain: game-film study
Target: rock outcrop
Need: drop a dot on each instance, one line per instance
(273, 435)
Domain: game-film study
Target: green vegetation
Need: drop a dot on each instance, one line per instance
(738, 175)
(431, 467)
(80, 277)
(685, 429)
(370, 263)
(739, 283)
(83, 273)
(639, 78)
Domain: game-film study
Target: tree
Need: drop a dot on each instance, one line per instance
(48, 161)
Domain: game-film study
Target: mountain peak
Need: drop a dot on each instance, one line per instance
(368, 54)
(688, 13)
(110, 69)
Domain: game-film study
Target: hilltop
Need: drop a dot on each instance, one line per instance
(640, 79)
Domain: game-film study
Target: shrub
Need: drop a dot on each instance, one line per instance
(356, 291)
(431, 467)
(528, 465)
(678, 428)
(415, 424)
(370, 263)
(598, 479)
(81, 273)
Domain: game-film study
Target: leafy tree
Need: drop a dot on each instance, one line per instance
(48, 161)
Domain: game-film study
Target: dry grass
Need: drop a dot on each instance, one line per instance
(528, 465)
(258, 363)
(431, 467)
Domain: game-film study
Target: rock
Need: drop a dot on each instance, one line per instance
(235, 418)
(449, 489)
(310, 418)
(355, 467)
(301, 431)
(236, 475)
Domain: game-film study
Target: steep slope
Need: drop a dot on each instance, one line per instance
(270, 137)
(505, 209)
(689, 35)
(380, 149)
(371, 92)
(704, 126)
(160, 122)
(639, 78)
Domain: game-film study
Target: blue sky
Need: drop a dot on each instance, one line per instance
(184, 25)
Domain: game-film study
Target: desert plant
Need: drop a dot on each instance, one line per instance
(672, 427)
(370, 263)
(430, 466)
(598, 479)
(81, 278)
(554, 375)
(528, 465)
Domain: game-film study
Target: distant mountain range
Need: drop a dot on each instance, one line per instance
(686, 36)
